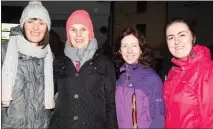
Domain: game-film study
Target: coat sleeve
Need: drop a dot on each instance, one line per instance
(205, 93)
(158, 114)
(110, 86)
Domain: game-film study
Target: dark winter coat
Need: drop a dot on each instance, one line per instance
(86, 98)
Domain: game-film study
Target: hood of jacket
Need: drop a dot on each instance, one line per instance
(199, 53)
(14, 31)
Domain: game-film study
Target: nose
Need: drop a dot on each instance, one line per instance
(177, 40)
(35, 26)
(129, 50)
(78, 33)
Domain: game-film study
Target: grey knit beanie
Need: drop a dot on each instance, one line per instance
(35, 9)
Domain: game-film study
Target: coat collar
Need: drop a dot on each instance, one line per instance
(61, 62)
(198, 53)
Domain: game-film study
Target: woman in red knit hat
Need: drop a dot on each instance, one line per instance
(85, 79)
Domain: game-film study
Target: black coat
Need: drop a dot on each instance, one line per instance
(87, 97)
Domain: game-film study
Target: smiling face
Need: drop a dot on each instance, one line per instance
(35, 29)
(179, 39)
(79, 36)
(130, 49)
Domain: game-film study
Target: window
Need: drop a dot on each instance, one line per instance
(141, 28)
(141, 6)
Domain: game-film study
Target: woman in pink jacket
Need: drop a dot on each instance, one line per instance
(188, 90)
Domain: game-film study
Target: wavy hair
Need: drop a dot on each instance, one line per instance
(146, 57)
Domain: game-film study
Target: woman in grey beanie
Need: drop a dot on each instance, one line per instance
(27, 73)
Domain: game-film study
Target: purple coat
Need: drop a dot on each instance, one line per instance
(149, 97)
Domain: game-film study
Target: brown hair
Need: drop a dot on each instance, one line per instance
(44, 42)
(146, 57)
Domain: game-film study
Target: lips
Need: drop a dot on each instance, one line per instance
(130, 57)
(79, 40)
(35, 33)
(179, 48)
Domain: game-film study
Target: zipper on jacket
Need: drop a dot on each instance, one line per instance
(134, 111)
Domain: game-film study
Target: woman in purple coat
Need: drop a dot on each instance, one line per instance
(139, 94)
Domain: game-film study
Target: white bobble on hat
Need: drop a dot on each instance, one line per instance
(35, 2)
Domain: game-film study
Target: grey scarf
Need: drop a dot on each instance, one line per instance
(83, 54)
(20, 44)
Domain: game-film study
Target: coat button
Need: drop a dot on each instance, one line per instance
(77, 74)
(76, 96)
(75, 117)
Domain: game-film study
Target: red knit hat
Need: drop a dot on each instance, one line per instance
(80, 17)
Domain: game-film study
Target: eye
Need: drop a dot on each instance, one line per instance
(123, 46)
(182, 35)
(29, 21)
(170, 38)
(72, 29)
(42, 23)
(135, 45)
(84, 29)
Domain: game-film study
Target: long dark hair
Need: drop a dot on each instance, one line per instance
(146, 57)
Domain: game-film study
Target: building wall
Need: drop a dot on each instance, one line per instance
(200, 12)
(154, 18)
